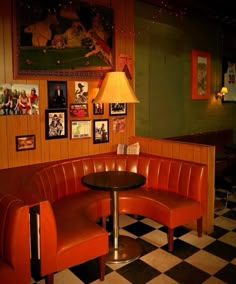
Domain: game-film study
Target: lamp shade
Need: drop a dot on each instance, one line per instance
(116, 89)
(224, 90)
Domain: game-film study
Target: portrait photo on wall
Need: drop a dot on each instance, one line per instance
(98, 108)
(100, 131)
(57, 94)
(16, 99)
(55, 124)
(118, 124)
(81, 92)
(73, 38)
(118, 108)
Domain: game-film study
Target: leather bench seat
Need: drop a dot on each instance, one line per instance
(174, 194)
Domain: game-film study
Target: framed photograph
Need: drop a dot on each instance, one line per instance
(229, 79)
(98, 108)
(61, 40)
(118, 108)
(80, 129)
(79, 110)
(118, 124)
(57, 94)
(100, 131)
(25, 142)
(55, 123)
(200, 75)
(17, 99)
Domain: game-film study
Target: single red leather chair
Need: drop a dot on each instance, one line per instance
(14, 241)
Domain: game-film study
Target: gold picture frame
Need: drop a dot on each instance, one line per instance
(44, 43)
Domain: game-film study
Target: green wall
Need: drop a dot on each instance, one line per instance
(163, 45)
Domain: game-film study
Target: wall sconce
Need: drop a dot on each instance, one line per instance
(222, 93)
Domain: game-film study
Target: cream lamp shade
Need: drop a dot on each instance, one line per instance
(224, 90)
(115, 88)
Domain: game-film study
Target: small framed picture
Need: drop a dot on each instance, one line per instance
(81, 92)
(118, 108)
(80, 129)
(55, 123)
(100, 131)
(57, 94)
(25, 142)
(79, 110)
(98, 108)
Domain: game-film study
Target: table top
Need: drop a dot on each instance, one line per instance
(113, 180)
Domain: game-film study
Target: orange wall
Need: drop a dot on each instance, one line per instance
(57, 149)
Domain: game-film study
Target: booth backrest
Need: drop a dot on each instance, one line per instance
(62, 179)
(218, 138)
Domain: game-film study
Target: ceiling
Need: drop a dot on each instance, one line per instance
(215, 10)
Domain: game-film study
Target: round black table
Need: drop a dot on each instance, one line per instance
(123, 248)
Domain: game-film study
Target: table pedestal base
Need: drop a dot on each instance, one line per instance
(129, 250)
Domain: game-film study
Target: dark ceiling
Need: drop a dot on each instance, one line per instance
(215, 10)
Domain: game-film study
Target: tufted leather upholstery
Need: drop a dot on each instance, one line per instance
(175, 193)
(14, 241)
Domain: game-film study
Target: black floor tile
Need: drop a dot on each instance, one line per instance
(227, 274)
(185, 273)
(138, 272)
(230, 214)
(178, 231)
(182, 249)
(88, 271)
(146, 246)
(139, 228)
(222, 250)
(218, 232)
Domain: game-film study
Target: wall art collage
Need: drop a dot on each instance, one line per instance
(24, 99)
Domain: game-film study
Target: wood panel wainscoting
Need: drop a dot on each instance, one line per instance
(190, 152)
(21, 125)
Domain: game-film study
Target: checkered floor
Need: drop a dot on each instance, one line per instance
(210, 259)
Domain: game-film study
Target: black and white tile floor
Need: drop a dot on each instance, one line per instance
(210, 259)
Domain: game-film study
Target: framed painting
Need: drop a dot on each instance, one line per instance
(118, 108)
(80, 129)
(200, 75)
(57, 94)
(55, 123)
(25, 142)
(62, 40)
(100, 131)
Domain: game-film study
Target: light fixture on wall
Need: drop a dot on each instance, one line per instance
(222, 93)
(115, 88)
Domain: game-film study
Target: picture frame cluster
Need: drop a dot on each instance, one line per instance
(63, 113)
(80, 124)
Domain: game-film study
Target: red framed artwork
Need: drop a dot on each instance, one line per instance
(200, 75)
